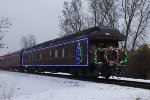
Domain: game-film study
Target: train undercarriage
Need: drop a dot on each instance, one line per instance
(91, 71)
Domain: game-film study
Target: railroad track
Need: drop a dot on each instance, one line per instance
(135, 84)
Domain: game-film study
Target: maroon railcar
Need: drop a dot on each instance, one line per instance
(1, 62)
(84, 53)
(12, 61)
(61, 54)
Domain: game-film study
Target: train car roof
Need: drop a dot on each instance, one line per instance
(11, 53)
(87, 33)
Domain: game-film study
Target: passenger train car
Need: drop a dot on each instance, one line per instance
(89, 53)
(1, 62)
(12, 61)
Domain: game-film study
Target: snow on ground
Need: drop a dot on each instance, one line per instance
(21, 86)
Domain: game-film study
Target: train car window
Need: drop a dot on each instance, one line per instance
(29, 57)
(32, 56)
(35, 56)
(26, 56)
(56, 53)
(38, 55)
(63, 52)
(46, 54)
(97, 44)
(41, 56)
(50, 53)
(112, 44)
(59, 52)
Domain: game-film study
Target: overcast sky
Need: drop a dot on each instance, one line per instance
(38, 17)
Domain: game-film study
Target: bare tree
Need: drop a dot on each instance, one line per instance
(4, 26)
(132, 15)
(142, 22)
(72, 19)
(136, 14)
(103, 12)
(129, 8)
(28, 41)
(94, 10)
